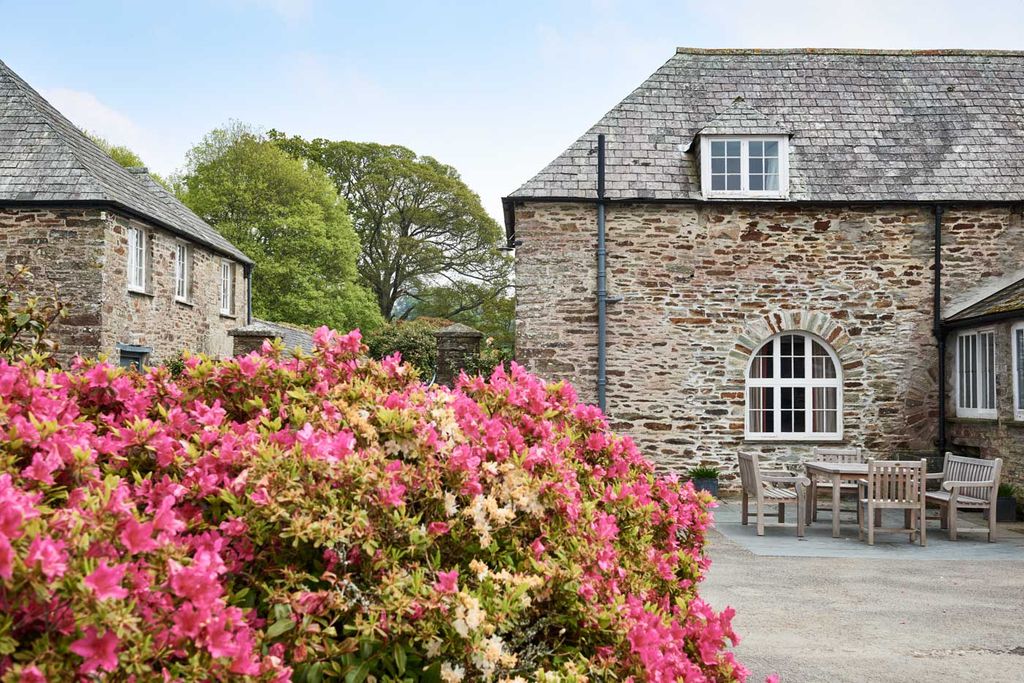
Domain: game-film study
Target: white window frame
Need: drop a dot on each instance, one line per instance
(1018, 388)
(744, 192)
(807, 382)
(977, 388)
(137, 266)
(227, 287)
(182, 272)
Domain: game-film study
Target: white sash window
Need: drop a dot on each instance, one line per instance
(976, 374)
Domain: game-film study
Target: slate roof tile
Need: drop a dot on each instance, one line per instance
(866, 125)
(45, 158)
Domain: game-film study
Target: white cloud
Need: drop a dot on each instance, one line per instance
(293, 11)
(87, 112)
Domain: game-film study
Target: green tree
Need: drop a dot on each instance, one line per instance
(420, 226)
(472, 304)
(124, 156)
(287, 215)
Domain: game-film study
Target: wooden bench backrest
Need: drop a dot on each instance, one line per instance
(750, 474)
(896, 481)
(837, 454)
(962, 468)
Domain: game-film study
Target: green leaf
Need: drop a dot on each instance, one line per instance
(280, 626)
(400, 658)
(358, 675)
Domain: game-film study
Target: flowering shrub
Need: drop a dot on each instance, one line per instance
(313, 518)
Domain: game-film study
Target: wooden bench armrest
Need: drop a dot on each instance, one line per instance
(933, 475)
(787, 478)
(950, 485)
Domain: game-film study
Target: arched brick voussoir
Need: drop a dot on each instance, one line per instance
(759, 330)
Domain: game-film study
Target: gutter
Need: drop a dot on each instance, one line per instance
(248, 292)
(131, 213)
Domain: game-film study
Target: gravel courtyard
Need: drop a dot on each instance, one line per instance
(829, 609)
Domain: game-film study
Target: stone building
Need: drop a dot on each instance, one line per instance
(772, 221)
(141, 275)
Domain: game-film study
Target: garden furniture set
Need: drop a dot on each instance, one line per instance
(875, 485)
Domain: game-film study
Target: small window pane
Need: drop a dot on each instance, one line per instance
(733, 147)
(733, 182)
(732, 165)
(771, 149)
(755, 148)
(718, 148)
(756, 182)
(762, 366)
(718, 165)
(756, 165)
(718, 182)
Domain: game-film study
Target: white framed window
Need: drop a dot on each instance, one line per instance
(182, 272)
(794, 390)
(137, 259)
(227, 287)
(976, 374)
(745, 166)
(1017, 351)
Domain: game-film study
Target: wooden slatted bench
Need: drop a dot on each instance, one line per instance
(968, 483)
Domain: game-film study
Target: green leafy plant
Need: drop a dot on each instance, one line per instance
(703, 472)
(414, 339)
(1008, 491)
(25, 320)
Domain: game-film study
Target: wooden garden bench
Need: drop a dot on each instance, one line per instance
(970, 483)
(832, 454)
(893, 485)
(771, 488)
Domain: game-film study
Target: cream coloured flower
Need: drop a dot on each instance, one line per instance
(452, 674)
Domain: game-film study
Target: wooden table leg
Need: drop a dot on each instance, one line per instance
(812, 495)
(835, 505)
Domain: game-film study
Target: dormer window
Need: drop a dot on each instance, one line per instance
(744, 166)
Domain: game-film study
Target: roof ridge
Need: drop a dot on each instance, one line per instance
(847, 51)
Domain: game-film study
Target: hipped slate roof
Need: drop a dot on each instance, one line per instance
(45, 159)
(867, 125)
(291, 336)
(1004, 301)
(739, 118)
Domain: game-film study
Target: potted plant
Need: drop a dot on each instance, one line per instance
(705, 478)
(1006, 503)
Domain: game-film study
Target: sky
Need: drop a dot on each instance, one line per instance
(495, 89)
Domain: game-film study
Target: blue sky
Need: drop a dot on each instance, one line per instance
(495, 89)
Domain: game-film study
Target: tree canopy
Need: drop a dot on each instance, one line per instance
(424, 233)
(123, 156)
(287, 216)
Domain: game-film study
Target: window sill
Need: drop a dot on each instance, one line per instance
(783, 440)
(184, 302)
(959, 419)
(140, 292)
(777, 196)
(230, 316)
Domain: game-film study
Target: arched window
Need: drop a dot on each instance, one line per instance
(794, 390)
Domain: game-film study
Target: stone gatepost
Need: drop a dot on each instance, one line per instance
(251, 337)
(458, 347)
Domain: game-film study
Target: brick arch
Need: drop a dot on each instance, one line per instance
(758, 331)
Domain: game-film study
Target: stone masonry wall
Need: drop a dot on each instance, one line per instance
(1002, 437)
(703, 285)
(156, 319)
(63, 248)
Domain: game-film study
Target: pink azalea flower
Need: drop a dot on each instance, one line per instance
(447, 582)
(98, 652)
(392, 495)
(49, 556)
(31, 674)
(6, 558)
(137, 537)
(105, 581)
(437, 528)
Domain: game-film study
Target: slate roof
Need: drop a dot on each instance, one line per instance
(45, 159)
(1004, 301)
(867, 125)
(739, 118)
(291, 336)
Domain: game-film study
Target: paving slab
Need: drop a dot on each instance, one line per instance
(829, 609)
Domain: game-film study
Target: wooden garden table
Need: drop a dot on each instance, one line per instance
(837, 473)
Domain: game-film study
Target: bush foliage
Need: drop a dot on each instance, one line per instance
(413, 339)
(25, 320)
(317, 518)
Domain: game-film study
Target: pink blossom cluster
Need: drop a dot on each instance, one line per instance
(280, 516)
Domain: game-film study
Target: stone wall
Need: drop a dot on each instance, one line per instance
(704, 284)
(155, 319)
(1002, 437)
(82, 255)
(64, 250)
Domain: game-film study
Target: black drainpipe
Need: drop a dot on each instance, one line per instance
(940, 335)
(602, 278)
(248, 294)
